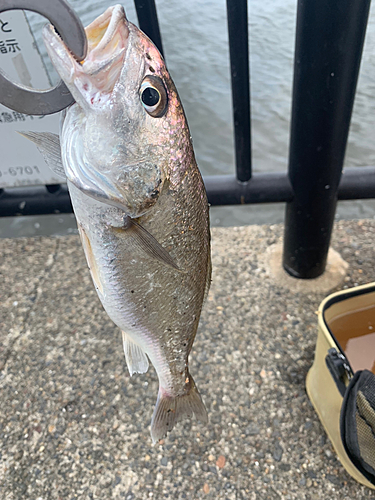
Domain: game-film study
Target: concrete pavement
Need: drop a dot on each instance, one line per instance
(73, 424)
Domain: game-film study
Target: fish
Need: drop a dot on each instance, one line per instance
(126, 152)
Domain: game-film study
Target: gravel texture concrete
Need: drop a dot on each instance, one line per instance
(73, 424)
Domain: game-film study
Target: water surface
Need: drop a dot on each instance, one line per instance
(195, 42)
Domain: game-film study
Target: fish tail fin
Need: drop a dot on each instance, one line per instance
(172, 409)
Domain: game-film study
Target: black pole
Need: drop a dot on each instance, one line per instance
(239, 64)
(148, 21)
(329, 42)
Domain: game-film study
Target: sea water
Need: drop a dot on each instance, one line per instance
(195, 40)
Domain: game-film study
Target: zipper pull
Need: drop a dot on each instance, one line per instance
(339, 368)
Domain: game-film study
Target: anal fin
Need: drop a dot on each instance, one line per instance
(136, 359)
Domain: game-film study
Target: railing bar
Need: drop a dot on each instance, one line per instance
(239, 63)
(262, 188)
(34, 200)
(148, 21)
(356, 183)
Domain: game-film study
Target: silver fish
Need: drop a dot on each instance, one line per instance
(139, 200)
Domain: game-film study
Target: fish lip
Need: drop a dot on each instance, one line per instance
(99, 34)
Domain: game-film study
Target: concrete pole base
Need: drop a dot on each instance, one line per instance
(332, 278)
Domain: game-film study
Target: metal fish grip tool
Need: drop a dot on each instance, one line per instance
(67, 24)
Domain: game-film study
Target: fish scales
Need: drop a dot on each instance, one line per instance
(139, 200)
(163, 302)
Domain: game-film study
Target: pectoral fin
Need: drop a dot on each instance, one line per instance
(49, 145)
(208, 278)
(146, 242)
(94, 270)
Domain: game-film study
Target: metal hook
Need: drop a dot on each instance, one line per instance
(66, 22)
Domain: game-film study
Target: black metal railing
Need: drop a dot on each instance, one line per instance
(329, 42)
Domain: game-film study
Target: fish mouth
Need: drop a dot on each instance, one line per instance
(92, 80)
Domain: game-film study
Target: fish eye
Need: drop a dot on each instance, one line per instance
(153, 96)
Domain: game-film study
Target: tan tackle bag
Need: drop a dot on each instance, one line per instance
(341, 381)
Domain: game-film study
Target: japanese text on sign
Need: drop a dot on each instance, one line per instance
(14, 116)
(10, 44)
(21, 163)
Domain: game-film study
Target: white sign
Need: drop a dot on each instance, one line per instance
(20, 161)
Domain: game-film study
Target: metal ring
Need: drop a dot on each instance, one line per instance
(44, 102)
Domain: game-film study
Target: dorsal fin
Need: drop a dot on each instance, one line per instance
(49, 145)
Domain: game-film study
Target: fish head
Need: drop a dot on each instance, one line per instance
(127, 129)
